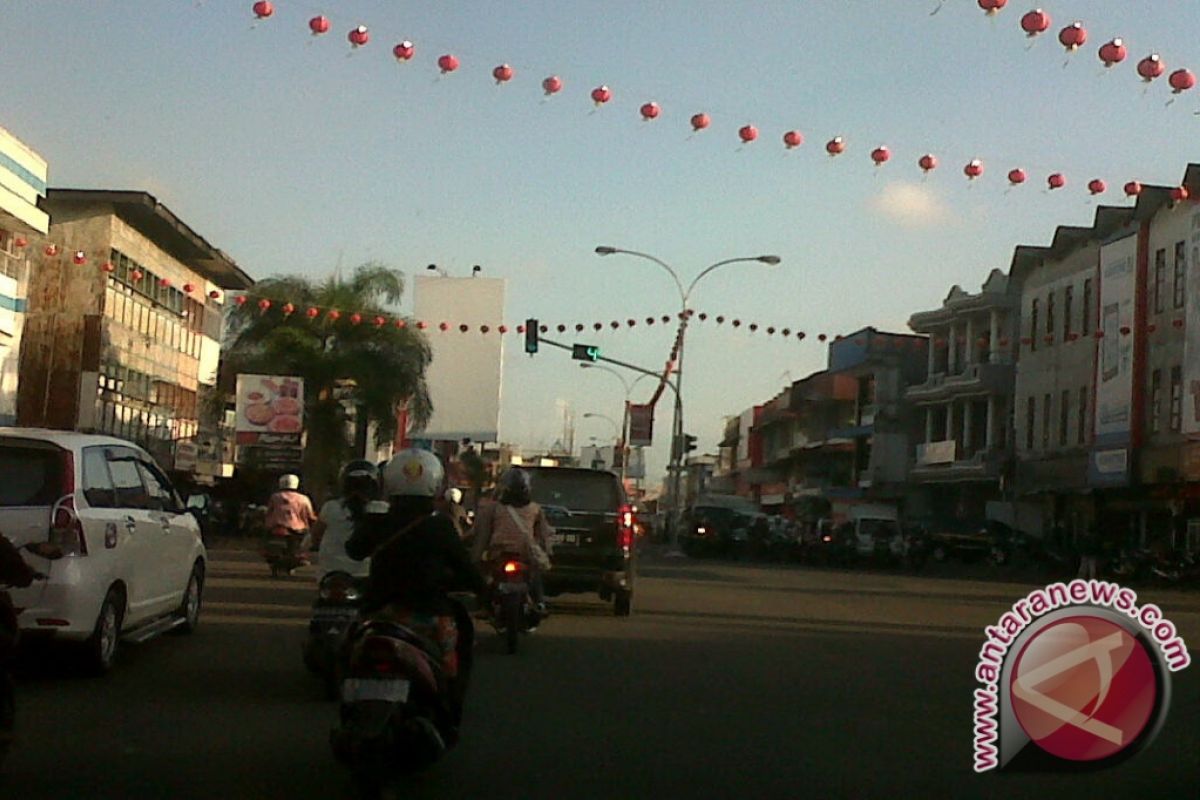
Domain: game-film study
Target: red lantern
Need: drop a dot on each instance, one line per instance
(737, 323)
(747, 133)
(1097, 186)
(1181, 80)
(264, 305)
(484, 329)
(1073, 36)
(1026, 340)
(1016, 176)
(720, 320)
(973, 169)
(380, 321)
(355, 318)
(189, 287)
(423, 325)
(601, 95)
(503, 329)
(164, 282)
(753, 327)
(649, 320)
(136, 276)
(20, 242)
(1133, 189)
(552, 85)
(80, 258)
(1151, 328)
(614, 325)
(313, 312)
(579, 326)
(880, 155)
(404, 51)
(447, 63)
(992, 7)
(1179, 194)
(835, 146)
(240, 299)
(1035, 22)
(108, 266)
(597, 326)
(263, 9)
(401, 324)
(786, 332)
(631, 322)
(666, 318)
(334, 315)
(927, 162)
(1151, 67)
(1056, 181)
(562, 328)
(318, 25)
(1099, 334)
(51, 250)
(287, 309)
(700, 122)
(650, 111)
(444, 326)
(503, 73)
(771, 331)
(1113, 52)
(822, 337)
(703, 316)
(1125, 330)
(544, 328)
(793, 139)
(800, 334)
(214, 295)
(464, 328)
(1178, 323)
(359, 36)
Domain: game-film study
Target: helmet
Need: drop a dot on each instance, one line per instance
(514, 488)
(289, 483)
(360, 475)
(413, 473)
(454, 495)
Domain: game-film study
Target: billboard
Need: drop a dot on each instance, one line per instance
(1191, 348)
(641, 425)
(1114, 365)
(270, 419)
(464, 378)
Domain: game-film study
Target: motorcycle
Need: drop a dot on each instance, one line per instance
(335, 611)
(10, 634)
(394, 717)
(512, 609)
(282, 552)
(1177, 568)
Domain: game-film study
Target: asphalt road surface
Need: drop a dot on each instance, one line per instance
(728, 681)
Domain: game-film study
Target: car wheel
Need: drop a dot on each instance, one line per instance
(100, 650)
(623, 603)
(189, 609)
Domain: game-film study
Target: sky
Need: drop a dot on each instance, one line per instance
(294, 155)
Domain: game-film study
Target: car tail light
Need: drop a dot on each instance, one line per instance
(625, 528)
(66, 530)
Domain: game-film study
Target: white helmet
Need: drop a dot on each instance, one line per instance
(413, 473)
(454, 495)
(289, 483)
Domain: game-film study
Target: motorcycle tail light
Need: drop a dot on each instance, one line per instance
(511, 567)
(827, 538)
(625, 528)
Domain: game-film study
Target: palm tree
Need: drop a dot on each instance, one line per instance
(376, 369)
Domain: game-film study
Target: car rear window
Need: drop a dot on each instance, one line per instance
(29, 475)
(576, 491)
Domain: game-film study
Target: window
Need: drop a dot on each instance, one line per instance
(97, 483)
(1068, 296)
(1176, 399)
(1160, 279)
(1046, 423)
(1180, 286)
(162, 496)
(1064, 418)
(1033, 326)
(1030, 421)
(30, 474)
(1083, 417)
(1085, 323)
(1155, 400)
(126, 480)
(1050, 314)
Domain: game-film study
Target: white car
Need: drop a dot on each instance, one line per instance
(134, 561)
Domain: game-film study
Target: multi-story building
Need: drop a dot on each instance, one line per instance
(22, 183)
(776, 428)
(965, 402)
(124, 329)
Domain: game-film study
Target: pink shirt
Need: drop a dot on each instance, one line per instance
(291, 510)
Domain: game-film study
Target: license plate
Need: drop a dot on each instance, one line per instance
(565, 538)
(391, 691)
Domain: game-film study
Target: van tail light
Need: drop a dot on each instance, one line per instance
(625, 528)
(66, 530)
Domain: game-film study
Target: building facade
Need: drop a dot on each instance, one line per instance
(125, 322)
(23, 175)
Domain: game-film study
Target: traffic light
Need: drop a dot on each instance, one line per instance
(689, 443)
(585, 352)
(531, 336)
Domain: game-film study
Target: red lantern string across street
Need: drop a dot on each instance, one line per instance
(880, 155)
(835, 146)
(263, 9)
(1056, 181)
(747, 133)
(601, 95)
(1073, 36)
(80, 258)
(650, 111)
(1113, 52)
(927, 162)
(447, 63)
(1035, 22)
(189, 287)
(313, 312)
(404, 51)
(992, 7)
(552, 85)
(793, 139)
(318, 25)
(1151, 67)
(359, 36)
(1097, 186)
(1133, 189)
(240, 299)
(214, 295)
(1181, 80)
(503, 73)
(20, 242)
(137, 275)
(973, 169)
(264, 305)
(1017, 176)
(51, 250)
(380, 321)
(1180, 193)
(333, 315)
(287, 309)
(700, 122)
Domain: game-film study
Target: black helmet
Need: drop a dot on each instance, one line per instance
(360, 477)
(514, 487)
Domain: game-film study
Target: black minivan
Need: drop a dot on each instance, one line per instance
(593, 533)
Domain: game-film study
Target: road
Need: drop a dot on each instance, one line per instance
(728, 681)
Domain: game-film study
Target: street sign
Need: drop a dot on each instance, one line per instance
(641, 425)
(585, 352)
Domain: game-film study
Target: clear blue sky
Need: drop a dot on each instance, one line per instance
(291, 156)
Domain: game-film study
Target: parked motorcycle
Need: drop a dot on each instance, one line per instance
(393, 718)
(512, 609)
(282, 552)
(335, 611)
(1177, 568)
(1131, 566)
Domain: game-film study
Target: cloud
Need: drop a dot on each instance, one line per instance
(913, 205)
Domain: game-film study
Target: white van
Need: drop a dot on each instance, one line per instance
(875, 525)
(134, 561)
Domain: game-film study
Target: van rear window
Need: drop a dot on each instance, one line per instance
(29, 476)
(576, 490)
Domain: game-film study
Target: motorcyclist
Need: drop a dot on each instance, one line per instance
(290, 512)
(14, 572)
(509, 523)
(335, 525)
(417, 559)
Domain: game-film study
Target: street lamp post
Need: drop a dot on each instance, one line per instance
(676, 467)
